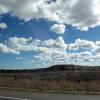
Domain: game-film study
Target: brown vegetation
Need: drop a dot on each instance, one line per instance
(60, 80)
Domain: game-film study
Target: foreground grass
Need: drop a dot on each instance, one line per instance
(53, 82)
(52, 86)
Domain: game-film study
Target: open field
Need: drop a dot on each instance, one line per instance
(86, 81)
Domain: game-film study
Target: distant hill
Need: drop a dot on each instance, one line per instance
(62, 67)
(56, 72)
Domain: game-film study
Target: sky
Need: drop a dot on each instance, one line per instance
(42, 33)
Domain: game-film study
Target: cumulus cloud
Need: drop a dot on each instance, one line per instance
(57, 55)
(77, 13)
(57, 43)
(22, 44)
(98, 43)
(3, 25)
(93, 58)
(16, 45)
(3, 9)
(81, 43)
(24, 9)
(5, 49)
(54, 51)
(28, 44)
(58, 28)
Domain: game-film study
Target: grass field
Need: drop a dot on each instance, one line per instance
(86, 81)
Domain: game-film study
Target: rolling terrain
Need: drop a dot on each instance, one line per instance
(55, 78)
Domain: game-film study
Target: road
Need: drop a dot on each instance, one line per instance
(16, 95)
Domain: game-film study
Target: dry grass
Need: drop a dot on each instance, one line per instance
(52, 83)
(62, 85)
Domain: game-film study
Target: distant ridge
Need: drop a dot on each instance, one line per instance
(61, 67)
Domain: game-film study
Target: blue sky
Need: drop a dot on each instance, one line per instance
(35, 33)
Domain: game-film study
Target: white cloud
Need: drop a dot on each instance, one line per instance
(24, 9)
(57, 43)
(54, 51)
(58, 28)
(48, 43)
(5, 49)
(3, 9)
(81, 43)
(16, 45)
(77, 13)
(97, 48)
(93, 58)
(48, 47)
(51, 46)
(22, 40)
(85, 54)
(60, 43)
(3, 25)
(98, 43)
(22, 44)
(73, 46)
